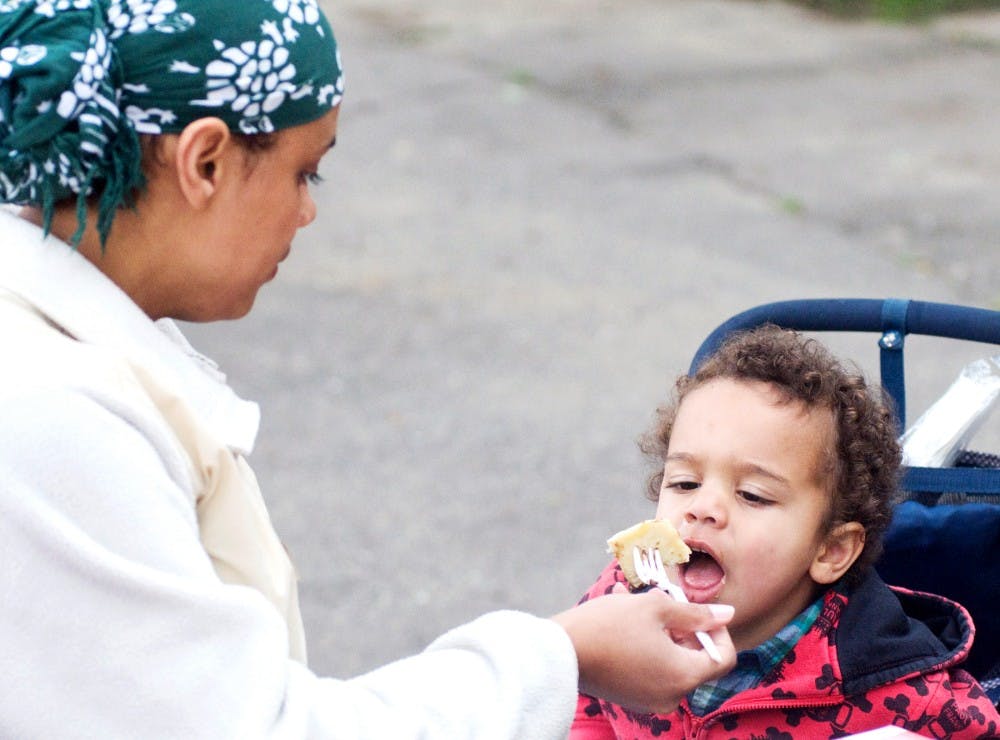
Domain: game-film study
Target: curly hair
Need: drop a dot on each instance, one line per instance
(864, 461)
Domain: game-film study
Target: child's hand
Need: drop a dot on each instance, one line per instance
(639, 650)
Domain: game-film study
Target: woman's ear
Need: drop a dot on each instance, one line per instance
(199, 159)
(840, 548)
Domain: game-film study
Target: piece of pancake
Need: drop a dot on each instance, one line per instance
(658, 533)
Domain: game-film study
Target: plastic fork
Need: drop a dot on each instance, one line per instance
(649, 568)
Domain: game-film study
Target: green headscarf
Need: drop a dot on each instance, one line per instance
(80, 79)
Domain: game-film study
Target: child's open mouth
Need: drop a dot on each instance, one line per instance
(702, 577)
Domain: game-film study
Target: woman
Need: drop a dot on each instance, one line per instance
(162, 154)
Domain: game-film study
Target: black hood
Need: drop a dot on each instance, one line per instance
(906, 632)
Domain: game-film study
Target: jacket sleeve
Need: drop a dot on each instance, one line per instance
(609, 577)
(590, 723)
(115, 625)
(957, 708)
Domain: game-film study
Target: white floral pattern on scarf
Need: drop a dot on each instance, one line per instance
(114, 68)
(139, 16)
(23, 56)
(95, 64)
(49, 8)
(254, 79)
(303, 12)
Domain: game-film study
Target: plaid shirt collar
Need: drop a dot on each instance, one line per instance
(753, 665)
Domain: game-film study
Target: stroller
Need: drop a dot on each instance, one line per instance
(945, 534)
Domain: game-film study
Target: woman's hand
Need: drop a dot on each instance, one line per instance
(639, 651)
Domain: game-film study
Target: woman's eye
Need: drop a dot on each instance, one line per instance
(312, 178)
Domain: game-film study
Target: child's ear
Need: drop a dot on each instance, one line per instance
(199, 158)
(841, 547)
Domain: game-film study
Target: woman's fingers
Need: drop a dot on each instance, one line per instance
(627, 652)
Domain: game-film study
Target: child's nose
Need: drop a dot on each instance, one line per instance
(706, 506)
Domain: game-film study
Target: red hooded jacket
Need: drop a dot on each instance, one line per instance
(875, 656)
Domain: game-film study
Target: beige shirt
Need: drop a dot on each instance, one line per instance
(213, 427)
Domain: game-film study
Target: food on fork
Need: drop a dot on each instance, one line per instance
(658, 533)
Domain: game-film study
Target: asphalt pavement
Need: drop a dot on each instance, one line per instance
(534, 214)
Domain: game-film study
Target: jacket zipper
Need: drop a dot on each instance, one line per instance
(702, 724)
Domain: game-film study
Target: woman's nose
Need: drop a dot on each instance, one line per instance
(308, 213)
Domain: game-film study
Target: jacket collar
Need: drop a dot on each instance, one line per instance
(905, 633)
(867, 636)
(77, 297)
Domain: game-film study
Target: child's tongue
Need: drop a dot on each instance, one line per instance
(702, 573)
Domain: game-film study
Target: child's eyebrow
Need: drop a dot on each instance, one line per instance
(680, 457)
(760, 470)
(748, 467)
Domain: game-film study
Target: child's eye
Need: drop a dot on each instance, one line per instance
(681, 485)
(753, 498)
(312, 178)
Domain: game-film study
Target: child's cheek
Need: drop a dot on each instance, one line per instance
(758, 557)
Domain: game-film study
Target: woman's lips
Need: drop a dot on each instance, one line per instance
(274, 272)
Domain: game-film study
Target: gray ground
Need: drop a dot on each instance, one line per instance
(534, 214)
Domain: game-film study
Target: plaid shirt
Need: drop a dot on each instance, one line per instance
(753, 665)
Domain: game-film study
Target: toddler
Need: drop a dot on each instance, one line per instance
(779, 470)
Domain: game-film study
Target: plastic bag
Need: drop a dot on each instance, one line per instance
(942, 431)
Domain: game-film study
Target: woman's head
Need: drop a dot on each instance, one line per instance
(219, 214)
(81, 80)
(863, 457)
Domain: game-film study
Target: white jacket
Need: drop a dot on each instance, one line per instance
(143, 593)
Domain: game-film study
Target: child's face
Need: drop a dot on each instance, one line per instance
(743, 483)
